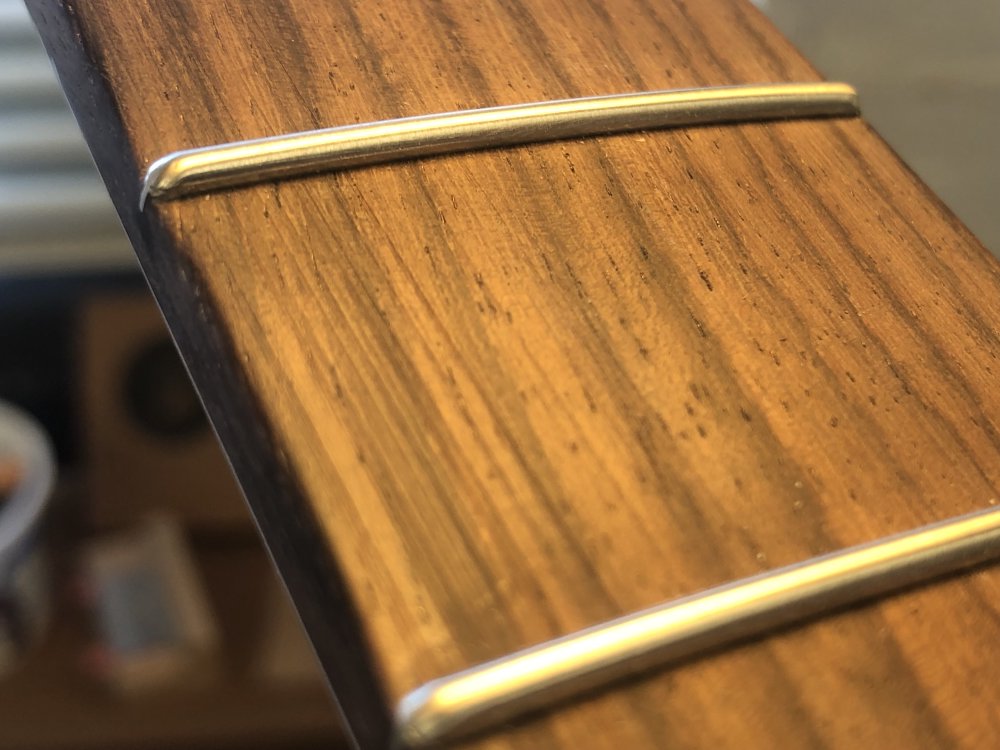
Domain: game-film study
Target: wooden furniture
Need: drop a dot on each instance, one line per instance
(144, 432)
(482, 400)
(51, 703)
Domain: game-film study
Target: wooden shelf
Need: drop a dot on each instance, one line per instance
(49, 702)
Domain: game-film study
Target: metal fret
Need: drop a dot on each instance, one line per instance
(482, 697)
(247, 162)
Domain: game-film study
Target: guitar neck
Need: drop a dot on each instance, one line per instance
(482, 400)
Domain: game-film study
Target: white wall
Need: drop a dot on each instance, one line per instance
(929, 78)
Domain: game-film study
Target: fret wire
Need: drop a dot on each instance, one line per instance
(246, 162)
(485, 696)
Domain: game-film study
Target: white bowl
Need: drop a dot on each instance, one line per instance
(24, 588)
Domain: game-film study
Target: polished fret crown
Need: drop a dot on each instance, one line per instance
(246, 162)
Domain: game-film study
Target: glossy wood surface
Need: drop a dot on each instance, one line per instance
(483, 400)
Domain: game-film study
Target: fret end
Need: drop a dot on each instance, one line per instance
(166, 178)
(421, 718)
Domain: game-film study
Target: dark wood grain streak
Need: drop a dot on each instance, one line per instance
(479, 401)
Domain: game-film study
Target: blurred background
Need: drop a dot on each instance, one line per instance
(929, 78)
(137, 608)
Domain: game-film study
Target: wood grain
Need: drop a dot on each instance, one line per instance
(482, 400)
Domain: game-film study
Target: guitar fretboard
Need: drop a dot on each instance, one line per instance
(482, 400)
